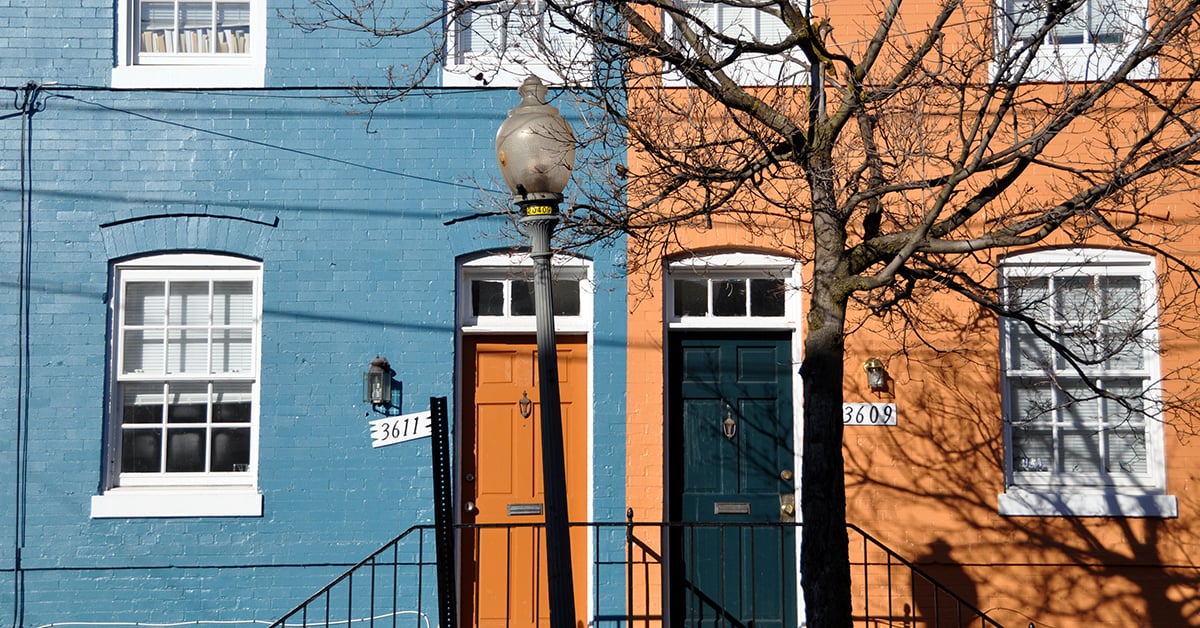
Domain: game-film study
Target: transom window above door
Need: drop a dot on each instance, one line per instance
(496, 294)
(742, 290)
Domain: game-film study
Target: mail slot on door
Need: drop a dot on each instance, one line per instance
(517, 510)
(731, 508)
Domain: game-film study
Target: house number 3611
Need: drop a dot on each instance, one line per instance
(868, 414)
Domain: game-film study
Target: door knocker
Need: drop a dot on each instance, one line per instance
(525, 405)
(729, 427)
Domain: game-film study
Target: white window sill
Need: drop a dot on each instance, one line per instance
(505, 74)
(178, 502)
(1056, 64)
(188, 76)
(1073, 502)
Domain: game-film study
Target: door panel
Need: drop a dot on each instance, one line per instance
(731, 467)
(503, 569)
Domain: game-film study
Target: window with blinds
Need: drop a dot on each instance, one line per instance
(500, 43)
(187, 375)
(745, 23)
(1090, 41)
(1080, 374)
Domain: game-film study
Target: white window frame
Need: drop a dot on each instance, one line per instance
(193, 70)
(468, 68)
(1087, 61)
(736, 266)
(520, 266)
(747, 71)
(180, 494)
(1102, 494)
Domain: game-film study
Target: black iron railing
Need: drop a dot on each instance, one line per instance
(643, 575)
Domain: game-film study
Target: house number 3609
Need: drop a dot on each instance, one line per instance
(868, 414)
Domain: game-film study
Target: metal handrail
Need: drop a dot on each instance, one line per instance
(396, 585)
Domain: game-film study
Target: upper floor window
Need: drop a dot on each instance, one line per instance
(500, 42)
(1090, 41)
(742, 22)
(1082, 414)
(190, 43)
(184, 400)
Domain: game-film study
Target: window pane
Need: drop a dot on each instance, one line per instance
(233, 351)
(691, 297)
(487, 298)
(157, 27)
(1122, 299)
(231, 449)
(188, 402)
(141, 450)
(766, 297)
(1108, 25)
(729, 297)
(187, 351)
(144, 303)
(1032, 402)
(1127, 450)
(195, 23)
(522, 298)
(143, 403)
(1033, 449)
(233, 303)
(1029, 352)
(231, 402)
(566, 297)
(1080, 406)
(188, 303)
(185, 450)
(143, 352)
(233, 22)
(1081, 451)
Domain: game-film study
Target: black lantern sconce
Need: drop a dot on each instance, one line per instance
(877, 375)
(377, 383)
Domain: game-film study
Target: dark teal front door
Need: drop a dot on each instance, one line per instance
(730, 460)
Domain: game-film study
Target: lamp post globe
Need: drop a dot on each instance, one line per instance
(536, 152)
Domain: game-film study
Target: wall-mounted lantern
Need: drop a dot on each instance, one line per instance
(377, 383)
(877, 376)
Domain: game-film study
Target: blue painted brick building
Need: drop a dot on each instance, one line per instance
(202, 251)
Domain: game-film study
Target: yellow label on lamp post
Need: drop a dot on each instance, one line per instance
(539, 210)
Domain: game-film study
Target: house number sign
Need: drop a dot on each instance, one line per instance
(399, 429)
(868, 413)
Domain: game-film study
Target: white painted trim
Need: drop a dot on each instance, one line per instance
(1140, 496)
(520, 265)
(177, 502)
(1020, 502)
(191, 71)
(746, 265)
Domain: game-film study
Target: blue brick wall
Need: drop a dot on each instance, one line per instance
(349, 225)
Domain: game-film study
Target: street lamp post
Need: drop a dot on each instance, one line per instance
(536, 151)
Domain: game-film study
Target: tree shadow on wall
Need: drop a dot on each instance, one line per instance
(931, 483)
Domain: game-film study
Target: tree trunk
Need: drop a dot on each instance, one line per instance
(824, 551)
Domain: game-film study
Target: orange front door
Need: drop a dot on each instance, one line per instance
(504, 568)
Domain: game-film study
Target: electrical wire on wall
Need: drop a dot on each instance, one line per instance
(28, 101)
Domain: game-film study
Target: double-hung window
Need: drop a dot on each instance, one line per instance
(184, 400)
(500, 42)
(1091, 40)
(1082, 406)
(190, 43)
